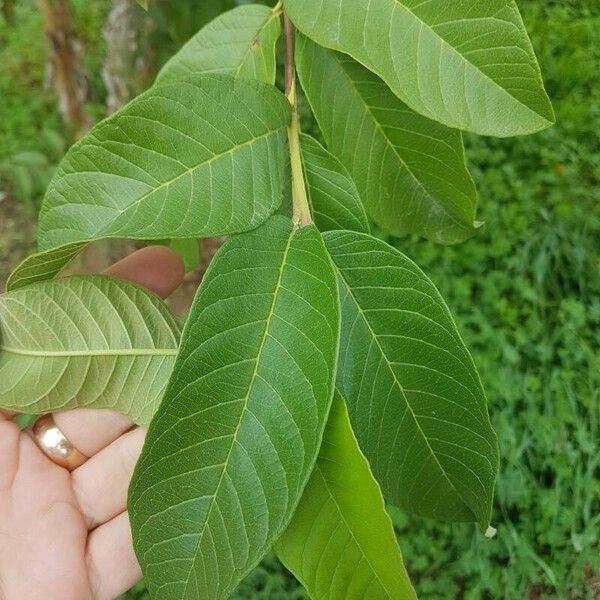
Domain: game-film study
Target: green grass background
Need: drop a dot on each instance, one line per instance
(526, 295)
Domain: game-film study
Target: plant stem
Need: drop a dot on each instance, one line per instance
(301, 208)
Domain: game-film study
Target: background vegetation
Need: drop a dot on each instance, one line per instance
(526, 294)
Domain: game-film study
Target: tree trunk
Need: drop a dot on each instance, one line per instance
(66, 60)
(123, 70)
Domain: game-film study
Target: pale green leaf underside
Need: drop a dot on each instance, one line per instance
(341, 543)
(43, 265)
(467, 64)
(240, 42)
(410, 171)
(332, 194)
(415, 399)
(236, 437)
(93, 342)
(197, 158)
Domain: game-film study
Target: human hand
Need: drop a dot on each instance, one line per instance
(65, 535)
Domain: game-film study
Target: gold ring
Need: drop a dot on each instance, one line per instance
(55, 444)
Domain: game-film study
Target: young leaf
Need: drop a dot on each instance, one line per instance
(469, 65)
(240, 42)
(341, 543)
(43, 265)
(197, 158)
(415, 399)
(332, 194)
(236, 437)
(85, 342)
(410, 171)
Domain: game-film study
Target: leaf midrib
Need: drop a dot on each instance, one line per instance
(92, 353)
(401, 388)
(270, 315)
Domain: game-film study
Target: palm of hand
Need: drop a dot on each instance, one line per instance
(41, 520)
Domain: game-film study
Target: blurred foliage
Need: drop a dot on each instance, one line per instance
(526, 294)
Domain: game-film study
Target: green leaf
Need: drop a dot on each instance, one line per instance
(410, 171)
(189, 250)
(197, 158)
(236, 437)
(341, 543)
(240, 42)
(43, 265)
(467, 64)
(332, 194)
(93, 342)
(415, 399)
(143, 4)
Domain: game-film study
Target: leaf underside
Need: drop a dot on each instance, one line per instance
(333, 197)
(410, 171)
(43, 265)
(466, 64)
(236, 437)
(240, 42)
(197, 158)
(92, 342)
(415, 399)
(341, 543)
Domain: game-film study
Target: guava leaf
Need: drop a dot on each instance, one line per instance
(410, 171)
(85, 342)
(43, 265)
(196, 158)
(466, 64)
(240, 42)
(237, 435)
(414, 396)
(332, 194)
(341, 543)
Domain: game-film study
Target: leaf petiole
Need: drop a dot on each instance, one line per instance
(301, 209)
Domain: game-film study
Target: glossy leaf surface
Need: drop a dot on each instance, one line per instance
(410, 171)
(467, 64)
(93, 342)
(332, 194)
(240, 42)
(415, 399)
(341, 543)
(237, 435)
(199, 158)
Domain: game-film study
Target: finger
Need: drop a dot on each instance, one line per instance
(100, 485)
(161, 271)
(90, 430)
(113, 567)
(156, 267)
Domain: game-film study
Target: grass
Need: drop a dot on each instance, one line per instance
(526, 295)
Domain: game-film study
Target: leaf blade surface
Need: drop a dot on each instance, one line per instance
(414, 396)
(333, 196)
(410, 171)
(191, 159)
(237, 435)
(240, 42)
(468, 65)
(341, 543)
(85, 342)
